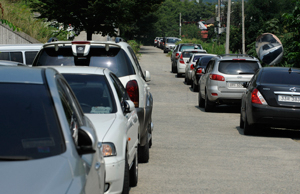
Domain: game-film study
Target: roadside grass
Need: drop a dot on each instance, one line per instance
(19, 15)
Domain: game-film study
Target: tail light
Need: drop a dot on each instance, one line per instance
(257, 98)
(199, 71)
(216, 77)
(191, 67)
(177, 55)
(133, 92)
(181, 59)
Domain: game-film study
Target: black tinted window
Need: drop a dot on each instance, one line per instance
(29, 55)
(172, 40)
(12, 56)
(280, 77)
(93, 93)
(204, 61)
(238, 67)
(115, 59)
(29, 124)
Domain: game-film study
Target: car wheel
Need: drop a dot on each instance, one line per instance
(208, 105)
(185, 80)
(248, 129)
(173, 68)
(126, 177)
(195, 88)
(178, 74)
(200, 100)
(241, 121)
(143, 152)
(134, 172)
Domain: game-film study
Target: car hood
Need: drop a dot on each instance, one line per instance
(47, 175)
(102, 123)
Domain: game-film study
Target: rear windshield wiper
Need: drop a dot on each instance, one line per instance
(246, 73)
(14, 158)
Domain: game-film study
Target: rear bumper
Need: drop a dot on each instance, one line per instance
(217, 95)
(180, 68)
(274, 116)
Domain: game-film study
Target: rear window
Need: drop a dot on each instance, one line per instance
(115, 59)
(93, 93)
(280, 77)
(184, 47)
(188, 54)
(238, 67)
(29, 125)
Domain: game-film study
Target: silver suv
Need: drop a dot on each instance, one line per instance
(221, 82)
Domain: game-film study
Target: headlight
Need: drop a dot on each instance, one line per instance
(108, 149)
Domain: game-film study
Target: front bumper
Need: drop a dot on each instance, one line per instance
(114, 174)
(283, 117)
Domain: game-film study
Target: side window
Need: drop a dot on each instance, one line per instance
(136, 62)
(29, 56)
(210, 65)
(16, 56)
(4, 56)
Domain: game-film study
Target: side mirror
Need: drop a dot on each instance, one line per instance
(129, 106)
(87, 141)
(245, 84)
(147, 76)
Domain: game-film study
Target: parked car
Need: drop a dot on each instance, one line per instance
(170, 43)
(121, 60)
(22, 53)
(271, 99)
(184, 57)
(160, 43)
(156, 41)
(106, 103)
(199, 67)
(190, 64)
(48, 145)
(177, 51)
(221, 83)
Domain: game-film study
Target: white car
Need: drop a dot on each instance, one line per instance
(184, 57)
(190, 64)
(121, 60)
(105, 102)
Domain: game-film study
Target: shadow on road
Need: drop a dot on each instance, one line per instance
(224, 109)
(275, 132)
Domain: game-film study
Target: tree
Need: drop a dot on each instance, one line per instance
(93, 16)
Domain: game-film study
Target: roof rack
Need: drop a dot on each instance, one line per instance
(237, 55)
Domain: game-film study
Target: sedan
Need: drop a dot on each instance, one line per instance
(47, 144)
(272, 99)
(106, 103)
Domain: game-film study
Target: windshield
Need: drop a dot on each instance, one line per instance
(29, 125)
(93, 93)
(115, 59)
(238, 67)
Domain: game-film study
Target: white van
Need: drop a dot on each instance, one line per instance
(23, 53)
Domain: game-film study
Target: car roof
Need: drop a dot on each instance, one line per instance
(236, 56)
(18, 74)
(20, 47)
(79, 69)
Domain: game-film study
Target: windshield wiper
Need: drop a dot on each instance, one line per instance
(246, 73)
(14, 158)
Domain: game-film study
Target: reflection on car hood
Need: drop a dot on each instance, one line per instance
(48, 175)
(102, 123)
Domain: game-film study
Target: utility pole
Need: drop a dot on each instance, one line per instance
(219, 16)
(228, 27)
(179, 25)
(243, 27)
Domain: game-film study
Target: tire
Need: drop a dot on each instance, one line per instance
(178, 74)
(134, 172)
(208, 105)
(195, 88)
(143, 152)
(248, 129)
(241, 121)
(126, 177)
(174, 70)
(201, 101)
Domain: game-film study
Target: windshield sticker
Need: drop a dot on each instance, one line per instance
(38, 142)
(100, 110)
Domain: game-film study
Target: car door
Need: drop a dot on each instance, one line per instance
(130, 119)
(91, 162)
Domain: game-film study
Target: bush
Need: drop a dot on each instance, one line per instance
(210, 46)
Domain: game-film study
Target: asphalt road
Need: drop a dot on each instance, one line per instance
(198, 152)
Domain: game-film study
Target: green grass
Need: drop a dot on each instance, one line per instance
(19, 15)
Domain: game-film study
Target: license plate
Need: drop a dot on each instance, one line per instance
(234, 85)
(285, 98)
